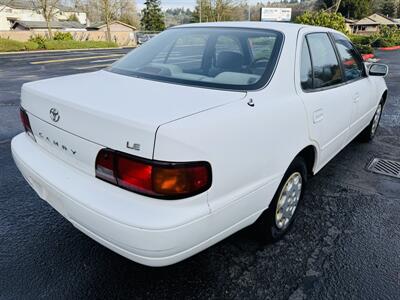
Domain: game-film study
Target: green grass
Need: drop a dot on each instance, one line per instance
(61, 45)
(7, 45)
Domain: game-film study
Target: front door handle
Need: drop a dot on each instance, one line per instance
(318, 116)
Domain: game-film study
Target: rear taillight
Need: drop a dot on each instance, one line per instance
(26, 123)
(158, 179)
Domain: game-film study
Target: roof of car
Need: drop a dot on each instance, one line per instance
(280, 26)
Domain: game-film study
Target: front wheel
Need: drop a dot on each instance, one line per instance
(369, 132)
(277, 219)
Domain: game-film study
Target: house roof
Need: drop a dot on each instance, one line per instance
(98, 25)
(21, 4)
(53, 24)
(375, 19)
(26, 4)
(349, 20)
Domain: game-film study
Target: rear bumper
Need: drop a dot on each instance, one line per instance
(148, 231)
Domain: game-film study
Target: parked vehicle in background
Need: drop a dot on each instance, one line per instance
(202, 131)
(142, 37)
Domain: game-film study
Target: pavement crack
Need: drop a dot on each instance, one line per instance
(8, 104)
(5, 141)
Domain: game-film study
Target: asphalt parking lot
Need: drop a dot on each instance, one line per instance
(345, 243)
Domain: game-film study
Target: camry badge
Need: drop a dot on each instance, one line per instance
(54, 114)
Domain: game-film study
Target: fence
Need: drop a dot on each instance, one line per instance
(122, 38)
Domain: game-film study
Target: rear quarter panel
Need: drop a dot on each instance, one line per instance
(249, 148)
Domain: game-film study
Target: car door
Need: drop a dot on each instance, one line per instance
(324, 94)
(358, 84)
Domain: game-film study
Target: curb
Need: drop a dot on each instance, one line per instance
(62, 50)
(367, 56)
(389, 48)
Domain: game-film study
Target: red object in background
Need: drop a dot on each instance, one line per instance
(390, 48)
(367, 56)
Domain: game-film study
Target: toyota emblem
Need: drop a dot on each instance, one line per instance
(54, 115)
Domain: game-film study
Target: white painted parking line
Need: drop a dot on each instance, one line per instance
(102, 60)
(74, 59)
(56, 55)
(91, 67)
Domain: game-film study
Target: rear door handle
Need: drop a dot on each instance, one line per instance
(318, 116)
(356, 97)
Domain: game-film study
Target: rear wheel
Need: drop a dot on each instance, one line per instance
(277, 219)
(369, 132)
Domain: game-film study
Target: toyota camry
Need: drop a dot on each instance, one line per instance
(202, 131)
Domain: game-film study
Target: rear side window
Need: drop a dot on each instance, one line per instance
(351, 60)
(326, 69)
(306, 74)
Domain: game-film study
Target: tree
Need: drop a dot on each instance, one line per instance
(129, 15)
(388, 8)
(175, 16)
(48, 9)
(73, 18)
(332, 20)
(357, 9)
(152, 16)
(117, 10)
(4, 4)
(111, 10)
(218, 10)
(398, 9)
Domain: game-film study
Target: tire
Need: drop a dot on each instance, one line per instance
(369, 132)
(272, 225)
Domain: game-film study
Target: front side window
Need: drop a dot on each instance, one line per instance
(228, 58)
(351, 61)
(326, 69)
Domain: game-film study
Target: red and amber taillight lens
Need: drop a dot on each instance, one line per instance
(166, 180)
(26, 123)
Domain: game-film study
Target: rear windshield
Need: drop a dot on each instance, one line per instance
(227, 58)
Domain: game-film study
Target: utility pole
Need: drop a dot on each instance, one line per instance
(249, 10)
(200, 10)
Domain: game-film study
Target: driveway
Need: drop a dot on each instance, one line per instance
(344, 244)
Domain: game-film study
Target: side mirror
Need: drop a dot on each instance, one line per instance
(378, 70)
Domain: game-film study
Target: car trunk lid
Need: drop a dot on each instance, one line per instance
(115, 111)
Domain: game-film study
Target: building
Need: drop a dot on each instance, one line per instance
(42, 26)
(371, 24)
(24, 10)
(114, 26)
(349, 24)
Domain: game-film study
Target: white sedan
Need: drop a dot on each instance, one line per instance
(202, 131)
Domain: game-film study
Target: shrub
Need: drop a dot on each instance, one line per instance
(361, 39)
(39, 40)
(364, 49)
(320, 18)
(387, 37)
(29, 45)
(63, 36)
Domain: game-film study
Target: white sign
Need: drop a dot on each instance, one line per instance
(276, 14)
